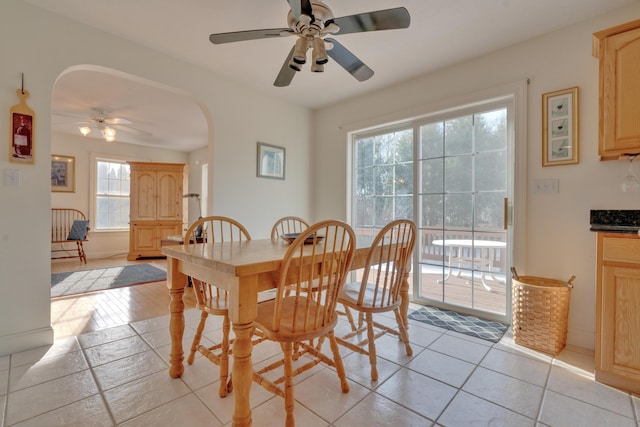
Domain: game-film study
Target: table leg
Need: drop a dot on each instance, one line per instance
(176, 283)
(485, 262)
(444, 248)
(242, 374)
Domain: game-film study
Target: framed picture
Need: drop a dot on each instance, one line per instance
(560, 127)
(22, 129)
(63, 173)
(271, 161)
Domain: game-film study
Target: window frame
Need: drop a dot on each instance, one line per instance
(95, 158)
(514, 92)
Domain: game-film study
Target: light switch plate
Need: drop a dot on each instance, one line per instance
(11, 178)
(548, 186)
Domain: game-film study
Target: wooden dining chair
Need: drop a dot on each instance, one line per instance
(379, 290)
(296, 316)
(211, 299)
(287, 225)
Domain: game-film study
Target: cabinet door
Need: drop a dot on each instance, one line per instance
(620, 317)
(620, 88)
(145, 238)
(143, 200)
(164, 231)
(169, 196)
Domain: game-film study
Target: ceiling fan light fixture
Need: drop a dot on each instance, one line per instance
(300, 51)
(109, 134)
(319, 54)
(295, 66)
(84, 130)
(317, 68)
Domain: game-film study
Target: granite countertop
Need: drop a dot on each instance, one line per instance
(615, 221)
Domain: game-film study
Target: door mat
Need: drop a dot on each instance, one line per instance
(469, 325)
(77, 282)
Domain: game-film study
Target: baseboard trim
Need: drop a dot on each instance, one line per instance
(28, 340)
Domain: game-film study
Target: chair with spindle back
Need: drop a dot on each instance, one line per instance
(211, 299)
(287, 225)
(379, 290)
(68, 226)
(297, 316)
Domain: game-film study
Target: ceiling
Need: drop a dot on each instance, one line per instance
(442, 33)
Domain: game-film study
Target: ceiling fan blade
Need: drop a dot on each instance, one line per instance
(286, 73)
(69, 115)
(117, 121)
(239, 36)
(299, 7)
(296, 7)
(349, 61)
(130, 129)
(389, 19)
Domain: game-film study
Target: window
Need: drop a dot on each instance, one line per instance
(383, 176)
(112, 195)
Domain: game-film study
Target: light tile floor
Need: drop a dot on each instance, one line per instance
(119, 377)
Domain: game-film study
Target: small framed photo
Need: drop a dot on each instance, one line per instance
(21, 150)
(560, 127)
(63, 173)
(270, 161)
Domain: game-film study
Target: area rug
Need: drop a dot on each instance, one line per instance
(77, 282)
(468, 325)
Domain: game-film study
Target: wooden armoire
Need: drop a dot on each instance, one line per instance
(156, 206)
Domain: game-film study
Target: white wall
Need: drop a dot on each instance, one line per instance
(557, 240)
(42, 46)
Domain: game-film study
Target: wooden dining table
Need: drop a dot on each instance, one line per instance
(244, 269)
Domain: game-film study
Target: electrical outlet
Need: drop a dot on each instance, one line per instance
(548, 186)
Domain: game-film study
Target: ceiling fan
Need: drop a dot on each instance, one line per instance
(100, 122)
(312, 21)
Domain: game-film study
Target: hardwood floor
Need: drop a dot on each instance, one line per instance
(78, 314)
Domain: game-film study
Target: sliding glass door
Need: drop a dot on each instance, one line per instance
(451, 175)
(463, 188)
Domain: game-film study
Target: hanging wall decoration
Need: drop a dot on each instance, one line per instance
(271, 161)
(22, 124)
(560, 127)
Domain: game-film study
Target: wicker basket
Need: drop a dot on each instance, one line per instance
(540, 312)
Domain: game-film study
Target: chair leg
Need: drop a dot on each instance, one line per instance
(81, 254)
(197, 337)
(404, 334)
(287, 350)
(372, 347)
(347, 312)
(337, 361)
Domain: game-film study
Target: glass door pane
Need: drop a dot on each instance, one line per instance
(462, 174)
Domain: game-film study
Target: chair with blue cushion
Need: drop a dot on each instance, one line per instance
(68, 226)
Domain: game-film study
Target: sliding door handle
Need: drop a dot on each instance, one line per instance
(506, 213)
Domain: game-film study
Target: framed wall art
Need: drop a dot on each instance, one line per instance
(270, 161)
(560, 127)
(22, 125)
(63, 173)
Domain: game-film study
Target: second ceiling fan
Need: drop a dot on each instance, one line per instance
(312, 22)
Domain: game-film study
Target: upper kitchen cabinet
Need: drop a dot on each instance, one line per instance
(618, 49)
